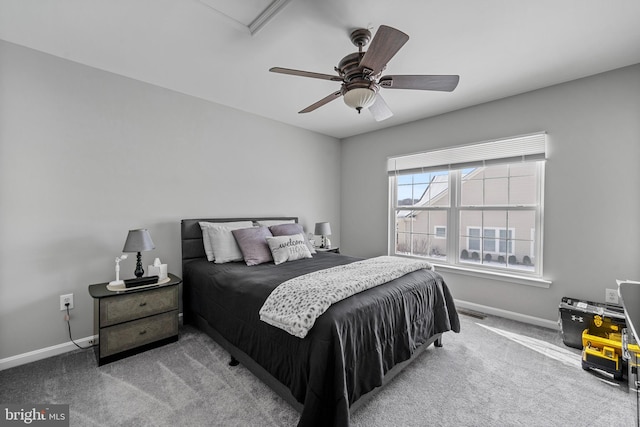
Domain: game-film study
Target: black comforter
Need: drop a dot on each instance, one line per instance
(351, 346)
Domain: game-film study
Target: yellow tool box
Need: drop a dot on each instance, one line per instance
(577, 315)
(603, 352)
(602, 341)
(612, 350)
(600, 331)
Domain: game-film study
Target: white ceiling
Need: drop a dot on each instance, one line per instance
(498, 47)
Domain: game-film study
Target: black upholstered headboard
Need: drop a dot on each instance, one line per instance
(191, 234)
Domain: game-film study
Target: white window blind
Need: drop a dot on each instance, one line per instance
(530, 147)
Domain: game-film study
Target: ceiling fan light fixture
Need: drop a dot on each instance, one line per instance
(360, 98)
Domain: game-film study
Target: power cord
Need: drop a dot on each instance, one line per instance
(67, 318)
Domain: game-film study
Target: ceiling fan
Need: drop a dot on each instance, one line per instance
(360, 74)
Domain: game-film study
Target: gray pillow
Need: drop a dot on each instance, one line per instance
(253, 244)
(288, 248)
(290, 229)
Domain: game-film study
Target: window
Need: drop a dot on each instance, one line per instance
(422, 203)
(503, 244)
(479, 207)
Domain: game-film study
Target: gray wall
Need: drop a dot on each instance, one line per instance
(592, 197)
(86, 155)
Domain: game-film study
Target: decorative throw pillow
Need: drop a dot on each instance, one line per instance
(288, 230)
(219, 243)
(253, 244)
(288, 248)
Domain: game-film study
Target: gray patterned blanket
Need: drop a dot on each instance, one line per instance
(295, 304)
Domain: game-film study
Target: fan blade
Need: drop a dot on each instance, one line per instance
(380, 110)
(305, 74)
(441, 83)
(385, 44)
(320, 103)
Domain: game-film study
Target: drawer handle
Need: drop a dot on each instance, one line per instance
(142, 304)
(143, 332)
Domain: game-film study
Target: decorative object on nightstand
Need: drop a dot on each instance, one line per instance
(118, 281)
(138, 241)
(135, 319)
(323, 229)
(158, 269)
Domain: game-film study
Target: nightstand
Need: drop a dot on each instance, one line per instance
(135, 320)
(334, 250)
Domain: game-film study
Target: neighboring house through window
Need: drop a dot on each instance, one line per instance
(476, 206)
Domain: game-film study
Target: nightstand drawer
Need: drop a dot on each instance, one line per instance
(126, 336)
(140, 304)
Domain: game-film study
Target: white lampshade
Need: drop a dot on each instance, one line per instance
(323, 229)
(360, 98)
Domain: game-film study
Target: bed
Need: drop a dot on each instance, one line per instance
(353, 348)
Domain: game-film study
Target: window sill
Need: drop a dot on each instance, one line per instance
(493, 275)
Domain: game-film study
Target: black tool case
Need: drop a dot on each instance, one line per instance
(577, 315)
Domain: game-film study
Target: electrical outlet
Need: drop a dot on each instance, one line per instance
(611, 296)
(64, 299)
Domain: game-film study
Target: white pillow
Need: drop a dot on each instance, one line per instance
(219, 243)
(288, 248)
(269, 223)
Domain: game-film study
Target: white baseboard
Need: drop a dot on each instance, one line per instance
(54, 350)
(43, 353)
(524, 318)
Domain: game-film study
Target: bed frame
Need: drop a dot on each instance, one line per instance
(193, 248)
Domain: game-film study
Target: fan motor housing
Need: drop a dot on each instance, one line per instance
(350, 69)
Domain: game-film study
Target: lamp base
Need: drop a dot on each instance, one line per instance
(116, 282)
(139, 270)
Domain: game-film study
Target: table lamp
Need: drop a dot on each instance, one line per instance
(323, 229)
(138, 241)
